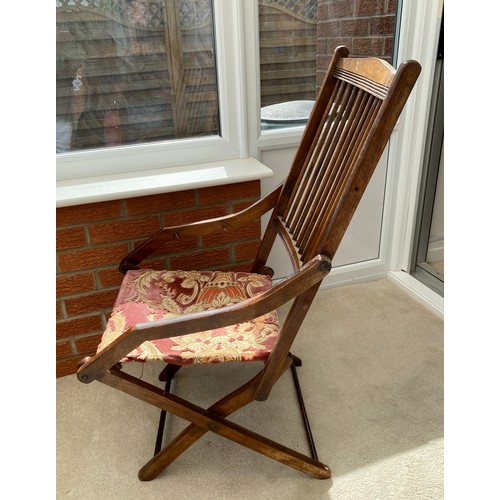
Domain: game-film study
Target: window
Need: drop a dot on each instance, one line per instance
(137, 85)
(134, 71)
(296, 40)
(155, 84)
(288, 41)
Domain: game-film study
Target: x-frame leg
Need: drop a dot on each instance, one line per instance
(208, 420)
(192, 433)
(167, 376)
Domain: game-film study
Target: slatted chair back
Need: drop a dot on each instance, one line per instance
(352, 119)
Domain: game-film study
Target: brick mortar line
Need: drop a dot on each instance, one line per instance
(127, 216)
(90, 245)
(100, 288)
(88, 292)
(174, 253)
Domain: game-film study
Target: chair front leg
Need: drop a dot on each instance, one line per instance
(192, 433)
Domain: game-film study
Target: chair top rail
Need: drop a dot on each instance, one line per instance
(372, 72)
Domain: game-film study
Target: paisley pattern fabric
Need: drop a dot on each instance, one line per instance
(147, 295)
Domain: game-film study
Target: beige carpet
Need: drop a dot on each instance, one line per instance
(373, 384)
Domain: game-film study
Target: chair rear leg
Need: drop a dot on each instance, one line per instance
(298, 362)
(166, 375)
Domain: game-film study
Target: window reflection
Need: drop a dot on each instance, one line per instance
(134, 71)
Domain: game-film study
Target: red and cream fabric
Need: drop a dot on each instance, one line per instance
(147, 295)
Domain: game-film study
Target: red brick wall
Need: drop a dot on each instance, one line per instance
(93, 238)
(365, 27)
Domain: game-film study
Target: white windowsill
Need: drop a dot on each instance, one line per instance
(119, 186)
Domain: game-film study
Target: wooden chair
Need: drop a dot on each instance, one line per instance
(182, 317)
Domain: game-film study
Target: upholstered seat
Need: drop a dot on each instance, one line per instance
(147, 295)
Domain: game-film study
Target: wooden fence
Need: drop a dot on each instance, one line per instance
(287, 56)
(131, 72)
(137, 83)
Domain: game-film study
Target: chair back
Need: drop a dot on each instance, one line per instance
(351, 122)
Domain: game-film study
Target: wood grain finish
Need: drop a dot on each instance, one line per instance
(350, 124)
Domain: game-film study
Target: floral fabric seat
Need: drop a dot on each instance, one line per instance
(147, 295)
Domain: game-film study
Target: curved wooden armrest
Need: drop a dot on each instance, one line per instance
(209, 226)
(311, 273)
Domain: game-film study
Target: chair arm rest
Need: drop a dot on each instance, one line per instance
(310, 274)
(204, 227)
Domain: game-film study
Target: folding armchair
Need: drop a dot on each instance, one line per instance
(199, 316)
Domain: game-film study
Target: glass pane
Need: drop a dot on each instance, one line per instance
(133, 72)
(428, 254)
(297, 40)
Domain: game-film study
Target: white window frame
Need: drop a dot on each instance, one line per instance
(84, 166)
(419, 37)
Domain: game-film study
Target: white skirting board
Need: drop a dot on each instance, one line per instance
(376, 269)
(427, 297)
